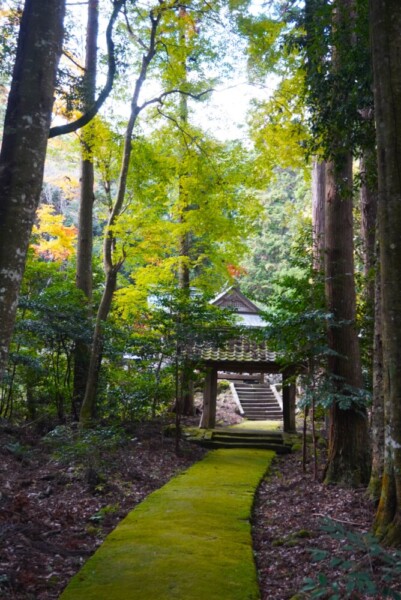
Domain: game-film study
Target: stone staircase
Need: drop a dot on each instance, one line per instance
(258, 401)
(244, 438)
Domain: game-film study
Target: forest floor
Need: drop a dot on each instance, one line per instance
(60, 497)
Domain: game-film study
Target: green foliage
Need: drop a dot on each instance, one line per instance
(166, 342)
(139, 390)
(10, 16)
(362, 566)
(338, 84)
(285, 208)
(51, 318)
(297, 322)
(109, 509)
(297, 330)
(84, 447)
(279, 129)
(176, 322)
(201, 191)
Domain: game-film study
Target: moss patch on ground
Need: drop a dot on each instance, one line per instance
(259, 425)
(189, 540)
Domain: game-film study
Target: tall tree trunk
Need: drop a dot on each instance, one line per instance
(349, 459)
(23, 152)
(368, 198)
(368, 204)
(318, 212)
(385, 30)
(112, 265)
(88, 408)
(185, 405)
(372, 292)
(377, 420)
(85, 217)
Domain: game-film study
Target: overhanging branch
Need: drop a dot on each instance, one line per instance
(92, 112)
(159, 99)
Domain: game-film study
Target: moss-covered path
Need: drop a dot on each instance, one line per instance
(190, 540)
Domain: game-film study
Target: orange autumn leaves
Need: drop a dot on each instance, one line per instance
(52, 239)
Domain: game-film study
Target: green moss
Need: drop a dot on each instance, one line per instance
(278, 542)
(189, 540)
(303, 533)
(223, 385)
(293, 539)
(374, 487)
(259, 425)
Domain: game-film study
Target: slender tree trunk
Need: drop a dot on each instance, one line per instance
(372, 291)
(368, 204)
(368, 196)
(349, 459)
(186, 384)
(318, 212)
(88, 408)
(385, 30)
(112, 265)
(377, 420)
(23, 152)
(85, 217)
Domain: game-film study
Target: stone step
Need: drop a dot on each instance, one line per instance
(262, 411)
(260, 407)
(263, 416)
(253, 388)
(215, 444)
(253, 402)
(258, 402)
(264, 407)
(258, 398)
(262, 393)
(255, 438)
(248, 433)
(255, 395)
(244, 384)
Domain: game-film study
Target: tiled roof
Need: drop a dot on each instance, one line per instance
(238, 350)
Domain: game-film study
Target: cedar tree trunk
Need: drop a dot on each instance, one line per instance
(377, 419)
(186, 405)
(23, 152)
(85, 216)
(318, 212)
(385, 25)
(348, 459)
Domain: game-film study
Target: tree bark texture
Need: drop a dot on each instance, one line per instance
(208, 419)
(385, 31)
(188, 406)
(318, 212)
(349, 459)
(377, 419)
(88, 408)
(289, 402)
(368, 198)
(85, 215)
(26, 130)
(368, 205)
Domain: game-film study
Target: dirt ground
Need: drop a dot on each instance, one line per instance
(58, 501)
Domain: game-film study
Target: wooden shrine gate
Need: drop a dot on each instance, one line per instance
(243, 356)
